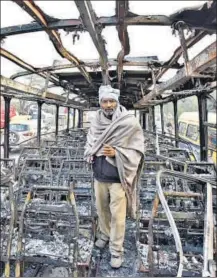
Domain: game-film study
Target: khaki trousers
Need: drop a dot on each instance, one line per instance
(111, 209)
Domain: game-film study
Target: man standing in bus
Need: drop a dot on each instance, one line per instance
(115, 147)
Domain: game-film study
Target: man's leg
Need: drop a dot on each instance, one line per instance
(102, 205)
(118, 205)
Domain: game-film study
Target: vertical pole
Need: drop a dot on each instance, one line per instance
(7, 126)
(176, 126)
(74, 112)
(80, 118)
(57, 120)
(162, 117)
(140, 117)
(143, 120)
(68, 119)
(203, 116)
(150, 119)
(153, 117)
(39, 123)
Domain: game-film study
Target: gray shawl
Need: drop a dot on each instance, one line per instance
(125, 134)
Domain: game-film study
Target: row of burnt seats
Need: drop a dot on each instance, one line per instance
(52, 204)
(172, 208)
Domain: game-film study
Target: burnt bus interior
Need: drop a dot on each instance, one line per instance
(48, 216)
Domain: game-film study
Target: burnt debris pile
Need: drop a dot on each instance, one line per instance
(49, 221)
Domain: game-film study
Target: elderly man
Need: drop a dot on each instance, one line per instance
(115, 147)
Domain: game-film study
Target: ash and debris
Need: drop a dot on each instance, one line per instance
(6, 180)
(52, 249)
(50, 271)
(167, 260)
(84, 209)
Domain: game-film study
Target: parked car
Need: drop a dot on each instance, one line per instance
(21, 131)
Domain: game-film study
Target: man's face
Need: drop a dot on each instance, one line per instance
(108, 106)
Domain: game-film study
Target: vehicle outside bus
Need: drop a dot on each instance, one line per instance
(189, 131)
(13, 113)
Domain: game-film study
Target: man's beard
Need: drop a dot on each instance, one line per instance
(108, 112)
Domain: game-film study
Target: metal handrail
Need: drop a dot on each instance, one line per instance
(208, 221)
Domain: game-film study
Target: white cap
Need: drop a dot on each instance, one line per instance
(106, 91)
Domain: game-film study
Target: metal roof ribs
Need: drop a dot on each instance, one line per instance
(178, 52)
(52, 77)
(122, 9)
(89, 21)
(194, 68)
(6, 54)
(15, 86)
(75, 24)
(33, 10)
(128, 61)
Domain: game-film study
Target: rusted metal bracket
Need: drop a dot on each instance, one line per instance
(33, 10)
(180, 26)
(122, 8)
(89, 20)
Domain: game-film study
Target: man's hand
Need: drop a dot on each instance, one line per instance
(108, 151)
(90, 159)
